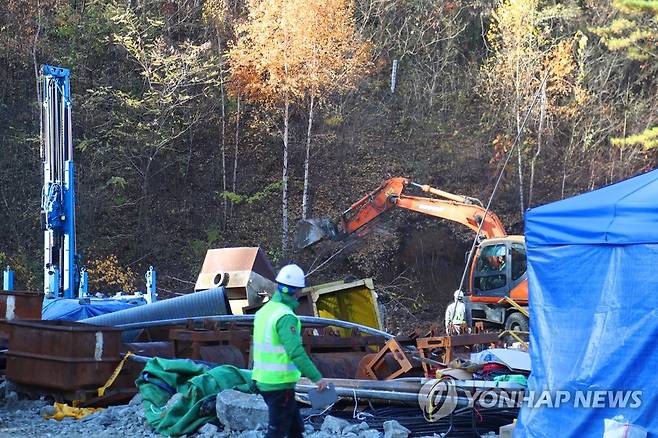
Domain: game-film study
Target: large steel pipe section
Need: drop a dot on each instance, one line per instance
(193, 305)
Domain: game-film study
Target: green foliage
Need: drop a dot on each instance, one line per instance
(333, 121)
(269, 190)
(642, 5)
(275, 254)
(118, 182)
(635, 32)
(198, 247)
(648, 139)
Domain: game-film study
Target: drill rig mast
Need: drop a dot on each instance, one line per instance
(61, 278)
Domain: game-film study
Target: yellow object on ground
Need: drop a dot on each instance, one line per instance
(62, 410)
(115, 374)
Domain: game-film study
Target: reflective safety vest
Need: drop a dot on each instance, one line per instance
(271, 362)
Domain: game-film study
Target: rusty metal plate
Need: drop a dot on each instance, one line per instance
(62, 355)
(18, 305)
(338, 365)
(390, 362)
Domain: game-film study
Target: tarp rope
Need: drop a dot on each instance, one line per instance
(500, 177)
(115, 374)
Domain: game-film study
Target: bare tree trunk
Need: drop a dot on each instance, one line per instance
(542, 116)
(518, 133)
(237, 142)
(223, 140)
(592, 173)
(284, 201)
(520, 162)
(565, 161)
(143, 222)
(36, 70)
(307, 160)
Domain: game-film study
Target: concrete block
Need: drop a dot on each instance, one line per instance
(393, 429)
(240, 411)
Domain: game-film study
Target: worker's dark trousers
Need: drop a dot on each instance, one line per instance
(285, 419)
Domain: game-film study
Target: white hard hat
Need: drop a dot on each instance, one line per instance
(459, 295)
(291, 275)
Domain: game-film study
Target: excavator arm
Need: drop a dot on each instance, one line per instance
(356, 219)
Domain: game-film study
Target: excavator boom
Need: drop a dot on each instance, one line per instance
(390, 194)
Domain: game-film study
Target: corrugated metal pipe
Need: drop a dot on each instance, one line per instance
(195, 304)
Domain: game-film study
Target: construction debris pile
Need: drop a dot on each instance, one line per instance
(26, 418)
(182, 366)
(189, 357)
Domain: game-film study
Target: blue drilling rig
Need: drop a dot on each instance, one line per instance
(64, 277)
(61, 270)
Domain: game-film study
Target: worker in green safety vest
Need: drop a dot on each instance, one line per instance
(279, 357)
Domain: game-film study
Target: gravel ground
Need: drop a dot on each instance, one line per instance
(22, 418)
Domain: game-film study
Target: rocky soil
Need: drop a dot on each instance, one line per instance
(23, 419)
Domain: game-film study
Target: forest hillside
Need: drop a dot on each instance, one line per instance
(205, 124)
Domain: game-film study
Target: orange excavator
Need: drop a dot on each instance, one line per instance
(497, 269)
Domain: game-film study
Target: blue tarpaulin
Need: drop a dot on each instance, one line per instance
(593, 284)
(74, 310)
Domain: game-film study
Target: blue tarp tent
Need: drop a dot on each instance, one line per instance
(593, 282)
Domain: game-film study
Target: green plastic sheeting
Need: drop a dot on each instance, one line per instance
(196, 383)
(514, 378)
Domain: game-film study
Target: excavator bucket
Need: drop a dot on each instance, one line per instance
(311, 231)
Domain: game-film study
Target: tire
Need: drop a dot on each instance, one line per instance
(517, 322)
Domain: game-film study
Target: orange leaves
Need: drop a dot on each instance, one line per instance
(501, 144)
(289, 49)
(561, 65)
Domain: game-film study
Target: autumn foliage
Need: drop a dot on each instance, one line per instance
(290, 50)
(218, 123)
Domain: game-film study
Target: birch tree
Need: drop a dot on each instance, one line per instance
(513, 70)
(266, 66)
(335, 59)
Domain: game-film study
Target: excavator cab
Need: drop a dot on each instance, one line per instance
(499, 271)
(499, 267)
(491, 269)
